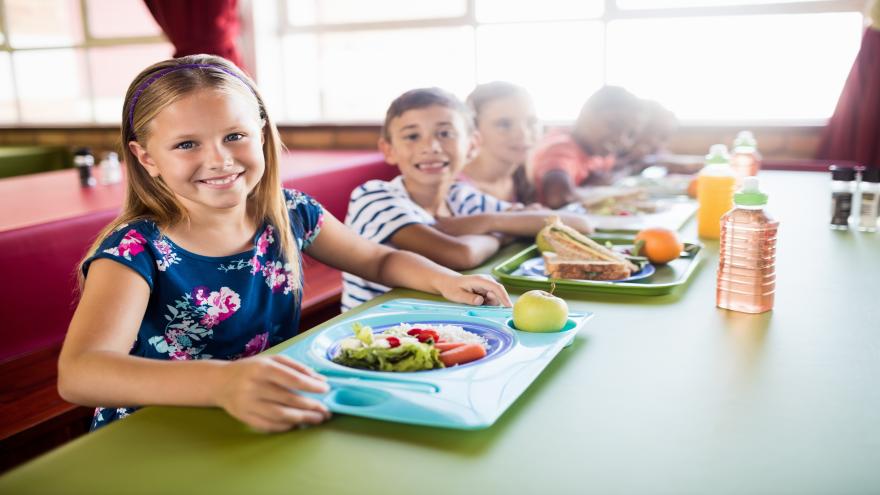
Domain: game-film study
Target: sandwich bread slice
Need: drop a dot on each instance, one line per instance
(556, 267)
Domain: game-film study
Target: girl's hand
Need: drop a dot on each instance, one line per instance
(474, 289)
(260, 391)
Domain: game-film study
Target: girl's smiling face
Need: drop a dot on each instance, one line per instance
(508, 128)
(207, 148)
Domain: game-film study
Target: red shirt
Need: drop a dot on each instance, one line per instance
(561, 152)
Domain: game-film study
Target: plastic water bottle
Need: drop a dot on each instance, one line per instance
(715, 184)
(111, 172)
(746, 160)
(747, 259)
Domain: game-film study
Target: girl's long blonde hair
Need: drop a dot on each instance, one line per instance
(150, 198)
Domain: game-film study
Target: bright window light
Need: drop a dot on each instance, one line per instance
(662, 4)
(43, 23)
(44, 100)
(539, 58)
(359, 73)
(734, 68)
(310, 12)
(7, 94)
(545, 10)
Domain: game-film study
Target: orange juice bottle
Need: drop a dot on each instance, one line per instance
(715, 185)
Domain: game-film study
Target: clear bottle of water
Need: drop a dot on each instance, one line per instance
(111, 172)
(747, 258)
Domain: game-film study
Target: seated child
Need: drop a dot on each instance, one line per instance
(657, 124)
(586, 155)
(202, 269)
(428, 135)
(508, 131)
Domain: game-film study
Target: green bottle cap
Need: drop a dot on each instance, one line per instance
(750, 194)
(745, 140)
(717, 155)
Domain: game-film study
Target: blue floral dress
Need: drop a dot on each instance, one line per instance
(205, 307)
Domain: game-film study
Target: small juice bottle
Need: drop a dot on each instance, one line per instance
(747, 258)
(715, 185)
(746, 159)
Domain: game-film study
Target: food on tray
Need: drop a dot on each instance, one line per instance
(555, 267)
(539, 311)
(619, 201)
(407, 347)
(576, 256)
(659, 245)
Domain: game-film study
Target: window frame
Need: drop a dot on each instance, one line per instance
(87, 42)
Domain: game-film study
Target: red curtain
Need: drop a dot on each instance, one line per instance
(853, 133)
(199, 26)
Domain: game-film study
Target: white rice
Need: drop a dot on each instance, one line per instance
(449, 333)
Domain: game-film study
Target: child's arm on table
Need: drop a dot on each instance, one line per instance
(339, 246)
(95, 368)
(521, 223)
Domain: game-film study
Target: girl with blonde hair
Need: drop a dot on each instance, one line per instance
(202, 269)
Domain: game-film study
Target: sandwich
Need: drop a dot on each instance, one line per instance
(576, 256)
(555, 267)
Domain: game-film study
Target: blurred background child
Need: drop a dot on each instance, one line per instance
(656, 127)
(607, 125)
(508, 130)
(428, 135)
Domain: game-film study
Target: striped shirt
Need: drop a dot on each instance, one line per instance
(378, 209)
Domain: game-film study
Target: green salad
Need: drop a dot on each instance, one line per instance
(386, 353)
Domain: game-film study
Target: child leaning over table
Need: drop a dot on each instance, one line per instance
(202, 269)
(428, 135)
(605, 127)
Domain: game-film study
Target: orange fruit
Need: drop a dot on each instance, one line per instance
(660, 245)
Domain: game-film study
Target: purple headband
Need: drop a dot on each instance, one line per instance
(144, 85)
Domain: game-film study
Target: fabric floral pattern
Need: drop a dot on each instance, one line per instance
(278, 275)
(131, 245)
(190, 326)
(169, 257)
(203, 307)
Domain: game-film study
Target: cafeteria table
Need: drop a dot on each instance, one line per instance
(663, 394)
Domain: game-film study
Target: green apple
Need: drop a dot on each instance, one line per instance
(539, 311)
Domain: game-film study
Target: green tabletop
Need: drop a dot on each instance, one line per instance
(657, 395)
(21, 160)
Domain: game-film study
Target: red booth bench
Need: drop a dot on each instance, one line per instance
(47, 224)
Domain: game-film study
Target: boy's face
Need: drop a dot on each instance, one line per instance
(430, 145)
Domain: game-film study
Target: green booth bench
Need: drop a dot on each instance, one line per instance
(23, 160)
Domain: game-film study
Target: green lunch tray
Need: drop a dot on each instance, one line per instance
(663, 280)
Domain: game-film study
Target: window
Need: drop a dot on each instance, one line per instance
(720, 61)
(70, 61)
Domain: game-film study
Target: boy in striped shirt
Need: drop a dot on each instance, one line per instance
(428, 134)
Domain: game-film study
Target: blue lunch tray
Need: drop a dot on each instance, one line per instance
(469, 396)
